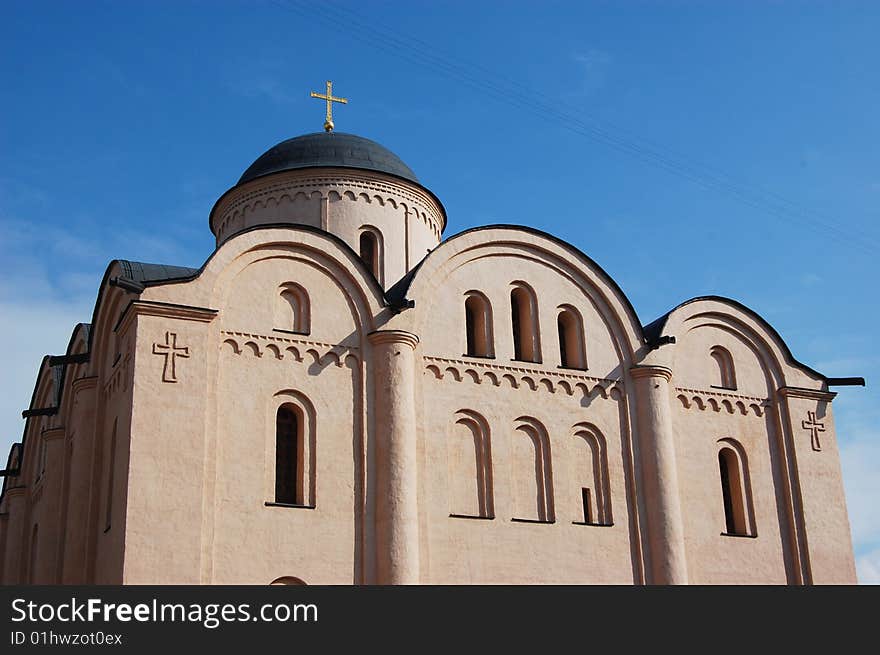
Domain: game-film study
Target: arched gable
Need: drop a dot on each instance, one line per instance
(13, 469)
(699, 324)
(45, 396)
(313, 248)
(75, 362)
(484, 246)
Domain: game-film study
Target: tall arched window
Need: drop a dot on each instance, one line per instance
(592, 467)
(470, 467)
(478, 325)
(735, 489)
(370, 249)
(289, 455)
(532, 473)
(524, 320)
(570, 326)
(294, 311)
(290, 451)
(726, 372)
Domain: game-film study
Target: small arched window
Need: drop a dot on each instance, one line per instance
(478, 325)
(289, 455)
(287, 580)
(370, 249)
(294, 310)
(726, 371)
(572, 351)
(524, 320)
(735, 490)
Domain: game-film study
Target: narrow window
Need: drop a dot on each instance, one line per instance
(524, 321)
(532, 474)
(572, 353)
(470, 467)
(41, 460)
(370, 247)
(592, 470)
(726, 371)
(478, 325)
(588, 505)
(293, 312)
(111, 475)
(732, 493)
(288, 456)
(515, 313)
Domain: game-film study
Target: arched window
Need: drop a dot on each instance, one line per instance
(289, 455)
(726, 372)
(370, 248)
(735, 489)
(286, 580)
(532, 474)
(294, 312)
(524, 319)
(290, 451)
(470, 467)
(592, 467)
(570, 326)
(41, 457)
(478, 325)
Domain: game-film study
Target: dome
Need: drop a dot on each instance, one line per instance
(328, 149)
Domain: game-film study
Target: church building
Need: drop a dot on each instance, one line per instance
(343, 394)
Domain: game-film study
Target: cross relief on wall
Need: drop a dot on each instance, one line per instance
(171, 351)
(815, 428)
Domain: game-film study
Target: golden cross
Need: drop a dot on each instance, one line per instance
(328, 124)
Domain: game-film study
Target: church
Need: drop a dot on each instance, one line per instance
(344, 394)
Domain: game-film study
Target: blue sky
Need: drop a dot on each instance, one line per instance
(690, 148)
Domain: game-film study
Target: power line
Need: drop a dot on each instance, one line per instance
(510, 91)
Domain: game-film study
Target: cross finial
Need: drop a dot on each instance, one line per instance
(328, 124)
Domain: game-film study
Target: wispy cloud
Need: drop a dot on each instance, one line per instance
(810, 280)
(868, 567)
(593, 65)
(860, 459)
(30, 329)
(272, 88)
(265, 76)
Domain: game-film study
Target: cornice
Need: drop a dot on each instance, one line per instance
(809, 394)
(164, 310)
(286, 339)
(722, 394)
(294, 182)
(564, 374)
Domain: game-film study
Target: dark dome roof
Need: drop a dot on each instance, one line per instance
(330, 149)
